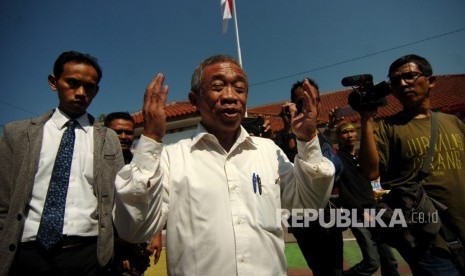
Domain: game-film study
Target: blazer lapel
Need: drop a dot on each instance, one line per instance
(99, 139)
(35, 133)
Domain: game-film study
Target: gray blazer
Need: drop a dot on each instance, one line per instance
(19, 158)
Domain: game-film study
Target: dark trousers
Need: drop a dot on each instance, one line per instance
(432, 262)
(81, 259)
(322, 248)
(374, 254)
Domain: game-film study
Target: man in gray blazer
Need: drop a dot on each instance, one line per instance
(28, 150)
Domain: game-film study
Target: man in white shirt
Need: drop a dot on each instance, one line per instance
(221, 191)
(131, 257)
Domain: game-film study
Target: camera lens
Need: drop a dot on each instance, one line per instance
(355, 100)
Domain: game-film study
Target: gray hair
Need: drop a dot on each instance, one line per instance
(198, 72)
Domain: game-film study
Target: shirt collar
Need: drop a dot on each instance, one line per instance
(201, 133)
(60, 119)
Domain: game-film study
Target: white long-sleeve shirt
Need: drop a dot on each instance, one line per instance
(217, 223)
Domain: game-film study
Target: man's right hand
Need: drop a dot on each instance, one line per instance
(153, 109)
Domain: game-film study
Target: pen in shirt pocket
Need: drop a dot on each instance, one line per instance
(254, 183)
(259, 182)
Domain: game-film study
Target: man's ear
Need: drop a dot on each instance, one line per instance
(432, 81)
(52, 81)
(193, 98)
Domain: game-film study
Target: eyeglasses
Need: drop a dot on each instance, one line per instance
(121, 131)
(408, 77)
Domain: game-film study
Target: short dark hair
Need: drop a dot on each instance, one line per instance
(299, 84)
(118, 115)
(421, 62)
(197, 76)
(69, 56)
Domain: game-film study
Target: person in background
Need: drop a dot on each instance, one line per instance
(57, 197)
(357, 193)
(123, 124)
(318, 244)
(394, 147)
(131, 258)
(220, 191)
(284, 138)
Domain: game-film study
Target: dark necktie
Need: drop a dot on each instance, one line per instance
(51, 223)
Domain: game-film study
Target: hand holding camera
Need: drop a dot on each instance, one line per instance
(253, 125)
(257, 126)
(334, 118)
(305, 113)
(285, 111)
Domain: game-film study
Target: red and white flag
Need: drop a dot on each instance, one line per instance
(226, 8)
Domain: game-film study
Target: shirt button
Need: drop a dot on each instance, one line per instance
(239, 221)
(242, 259)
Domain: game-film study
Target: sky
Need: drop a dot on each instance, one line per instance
(281, 41)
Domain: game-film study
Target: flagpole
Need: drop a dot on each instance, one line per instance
(239, 56)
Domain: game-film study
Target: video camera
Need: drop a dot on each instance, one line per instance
(365, 95)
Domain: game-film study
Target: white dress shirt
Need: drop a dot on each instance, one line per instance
(217, 223)
(81, 203)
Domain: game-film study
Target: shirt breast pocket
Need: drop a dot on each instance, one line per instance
(268, 205)
(109, 156)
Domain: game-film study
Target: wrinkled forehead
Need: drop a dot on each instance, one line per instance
(224, 68)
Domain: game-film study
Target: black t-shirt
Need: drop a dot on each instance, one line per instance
(355, 189)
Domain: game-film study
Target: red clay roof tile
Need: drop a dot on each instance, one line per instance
(447, 95)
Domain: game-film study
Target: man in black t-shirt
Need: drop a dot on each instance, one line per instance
(356, 193)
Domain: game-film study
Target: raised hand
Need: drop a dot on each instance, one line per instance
(153, 108)
(334, 118)
(304, 124)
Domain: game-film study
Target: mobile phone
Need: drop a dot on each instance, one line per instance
(253, 125)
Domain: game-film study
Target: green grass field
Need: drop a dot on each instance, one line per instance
(296, 261)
